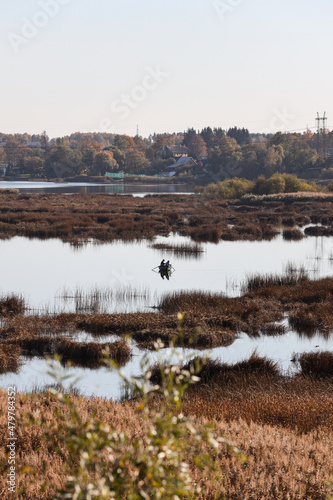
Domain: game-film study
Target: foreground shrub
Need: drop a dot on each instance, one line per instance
(103, 463)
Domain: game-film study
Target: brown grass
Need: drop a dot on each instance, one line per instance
(283, 462)
(106, 218)
(9, 358)
(85, 354)
(11, 305)
(181, 249)
(317, 364)
(292, 234)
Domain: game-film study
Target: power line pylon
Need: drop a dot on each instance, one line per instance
(321, 134)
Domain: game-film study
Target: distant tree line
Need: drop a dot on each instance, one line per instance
(219, 153)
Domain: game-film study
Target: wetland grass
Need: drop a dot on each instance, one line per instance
(108, 218)
(99, 300)
(282, 463)
(290, 278)
(9, 358)
(292, 234)
(11, 305)
(316, 364)
(180, 249)
(84, 354)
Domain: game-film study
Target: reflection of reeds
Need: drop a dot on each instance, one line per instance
(99, 300)
(85, 354)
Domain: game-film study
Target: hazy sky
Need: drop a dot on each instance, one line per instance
(102, 65)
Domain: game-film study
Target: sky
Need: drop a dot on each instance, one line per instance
(107, 66)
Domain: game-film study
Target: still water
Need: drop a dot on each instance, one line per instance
(106, 383)
(50, 273)
(82, 187)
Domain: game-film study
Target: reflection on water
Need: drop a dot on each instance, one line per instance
(104, 383)
(81, 187)
(54, 275)
(43, 270)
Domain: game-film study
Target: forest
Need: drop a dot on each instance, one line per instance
(219, 154)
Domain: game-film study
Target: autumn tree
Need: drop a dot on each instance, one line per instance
(63, 161)
(34, 166)
(104, 162)
(136, 162)
(124, 142)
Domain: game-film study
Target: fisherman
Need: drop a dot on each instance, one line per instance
(167, 264)
(162, 264)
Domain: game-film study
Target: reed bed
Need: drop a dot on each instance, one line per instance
(12, 304)
(99, 300)
(317, 364)
(208, 320)
(191, 300)
(290, 278)
(180, 249)
(283, 461)
(292, 234)
(106, 218)
(84, 354)
(9, 359)
(212, 372)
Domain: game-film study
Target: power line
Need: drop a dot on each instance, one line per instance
(321, 134)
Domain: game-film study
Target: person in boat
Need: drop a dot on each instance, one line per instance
(162, 264)
(167, 264)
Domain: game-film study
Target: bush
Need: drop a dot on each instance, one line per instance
(229, 189)
(102, 463)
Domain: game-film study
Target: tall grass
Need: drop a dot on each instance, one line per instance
(284, 462)
(290, 278)
(84, 354)
(12, 304)
(317, 364)
(101, 300)
(180, 249)
(9, 358)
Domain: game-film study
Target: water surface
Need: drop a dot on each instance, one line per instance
(46, 271)
(84, 187)
(49, 273)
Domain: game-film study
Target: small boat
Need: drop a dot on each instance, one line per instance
(165, 269)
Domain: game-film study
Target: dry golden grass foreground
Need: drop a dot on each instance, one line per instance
(282, 463)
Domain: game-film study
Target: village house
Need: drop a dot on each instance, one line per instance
(183, 164)
(175, 151)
